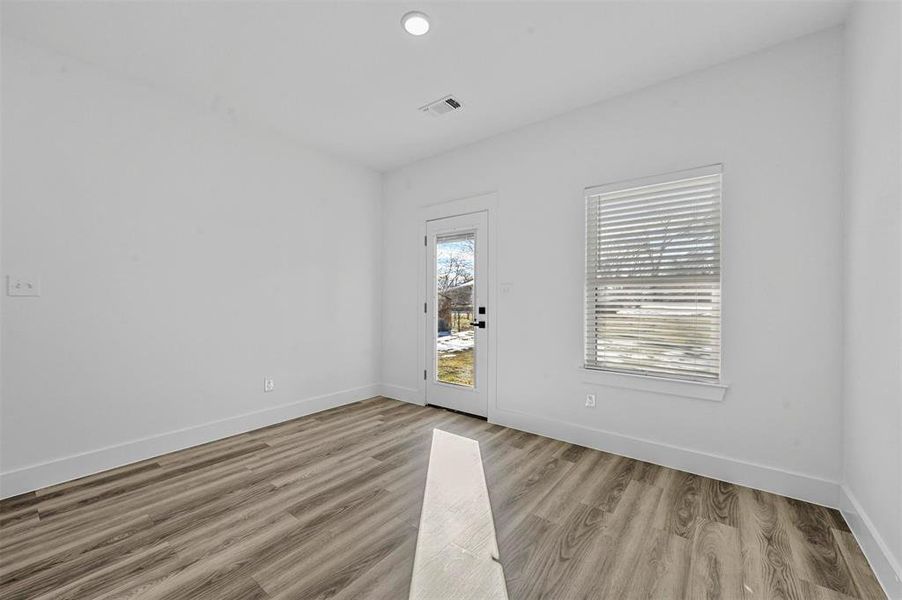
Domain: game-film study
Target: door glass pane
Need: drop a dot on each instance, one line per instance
(454, 280)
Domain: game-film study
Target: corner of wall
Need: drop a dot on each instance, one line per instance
(875, 548)
(404, 394)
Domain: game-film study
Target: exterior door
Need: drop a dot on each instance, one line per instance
(457, 315)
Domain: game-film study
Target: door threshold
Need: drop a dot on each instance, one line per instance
(460, 412)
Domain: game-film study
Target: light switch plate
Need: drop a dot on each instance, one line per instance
(268, 384)
(22, 286)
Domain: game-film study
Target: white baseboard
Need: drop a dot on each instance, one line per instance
(762, 477)
(770, 479)
(34, 477)
(405, 394)
(885, 565)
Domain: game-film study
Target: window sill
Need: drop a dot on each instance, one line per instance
(713, 392)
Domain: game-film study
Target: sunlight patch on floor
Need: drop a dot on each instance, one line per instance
(457, 552)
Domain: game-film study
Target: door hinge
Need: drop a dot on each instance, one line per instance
(424, 374)
(425, 240)
(425, 309)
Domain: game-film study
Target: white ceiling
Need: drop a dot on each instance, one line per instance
(346, 78)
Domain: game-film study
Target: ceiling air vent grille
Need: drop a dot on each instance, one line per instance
(442, 107)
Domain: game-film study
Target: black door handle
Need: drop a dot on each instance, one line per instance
(480, 324)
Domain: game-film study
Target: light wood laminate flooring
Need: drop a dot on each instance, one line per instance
(327, 506)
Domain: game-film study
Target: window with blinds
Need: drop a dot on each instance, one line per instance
(653, 276)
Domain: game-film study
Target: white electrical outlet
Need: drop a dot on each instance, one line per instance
(590, 400)
(22, 286)
(268, 384)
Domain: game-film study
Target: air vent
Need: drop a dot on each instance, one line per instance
(442, 107)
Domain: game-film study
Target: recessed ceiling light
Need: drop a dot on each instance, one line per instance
(415, 23)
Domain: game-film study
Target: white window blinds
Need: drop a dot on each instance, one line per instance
(653, 276)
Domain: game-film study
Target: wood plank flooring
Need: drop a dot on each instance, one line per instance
(327, 506)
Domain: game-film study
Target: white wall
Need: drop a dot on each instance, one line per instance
(873, 291)
(774, 120)
(183, 258)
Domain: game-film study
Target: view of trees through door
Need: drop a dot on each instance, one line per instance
(454, 280)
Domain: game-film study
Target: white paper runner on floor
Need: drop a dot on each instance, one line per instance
(457, 553)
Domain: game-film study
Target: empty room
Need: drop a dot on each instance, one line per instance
(463, 300)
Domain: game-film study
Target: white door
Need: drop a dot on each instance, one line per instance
(457, 314)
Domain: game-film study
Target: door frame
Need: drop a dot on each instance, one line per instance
(487, 202)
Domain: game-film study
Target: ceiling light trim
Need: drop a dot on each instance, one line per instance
(416, 23)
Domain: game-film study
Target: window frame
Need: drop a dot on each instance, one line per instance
(712, 389)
